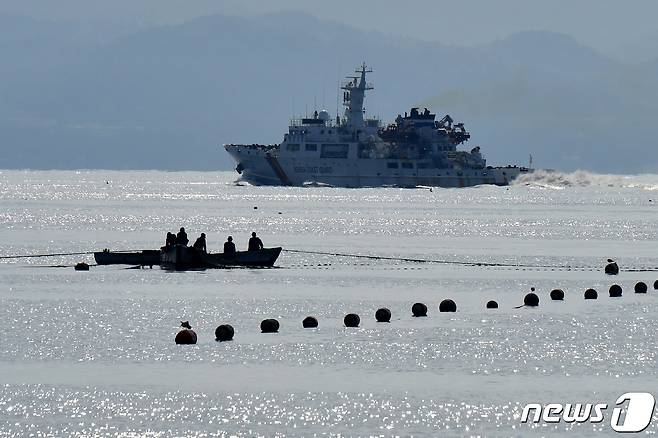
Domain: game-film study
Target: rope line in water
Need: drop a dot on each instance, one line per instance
(27, 256)
(454, 262)
(371, 257)
(446, 262)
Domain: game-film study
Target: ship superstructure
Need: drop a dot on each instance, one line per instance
(355, 151)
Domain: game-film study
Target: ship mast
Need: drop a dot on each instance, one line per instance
(353, 94)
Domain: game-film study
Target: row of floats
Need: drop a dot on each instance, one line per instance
(225, 332)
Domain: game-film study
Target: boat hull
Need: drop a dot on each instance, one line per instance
(183, 257)
(134, 258)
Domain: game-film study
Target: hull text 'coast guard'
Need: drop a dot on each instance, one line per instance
(354, 151)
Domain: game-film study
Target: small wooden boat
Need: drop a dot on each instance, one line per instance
(185, 257)
(147, 257)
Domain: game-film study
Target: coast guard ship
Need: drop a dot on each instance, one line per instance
(353, 151)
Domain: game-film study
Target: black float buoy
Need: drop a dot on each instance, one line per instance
(352, 320)
(310, 322)
(615, 290)
(641, 288)
(383, 315)
(270, 325)
(557, 295)
(655, 284)
(531, 299)
(492, 305)
(611, 268)
(82, 266)
(591, 294)
(419, 309)
(224, 332)
(447, 306)
(186, 336)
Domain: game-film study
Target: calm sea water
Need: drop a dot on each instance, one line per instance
(92, 354)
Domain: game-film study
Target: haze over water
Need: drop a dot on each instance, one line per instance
(92, 353)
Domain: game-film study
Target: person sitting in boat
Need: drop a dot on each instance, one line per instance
(181, 237)
(229, 247)
(255, 243)
(171, 239)
(200, 243)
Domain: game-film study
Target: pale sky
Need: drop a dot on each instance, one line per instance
(607, 25)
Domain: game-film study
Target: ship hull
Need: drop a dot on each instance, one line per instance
(263, 168)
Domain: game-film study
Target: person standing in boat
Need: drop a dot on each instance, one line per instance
(171, 239)
(255, 243)
(229, 247)
(200, 243)
(181, 237)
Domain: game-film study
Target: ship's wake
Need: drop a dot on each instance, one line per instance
(582, 178)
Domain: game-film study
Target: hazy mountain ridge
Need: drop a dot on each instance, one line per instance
(167, 97)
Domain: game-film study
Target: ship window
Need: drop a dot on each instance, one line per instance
(392, 165)
(407, 165)
(293, 147)
(334, 151)
(423, 165)
(311, 147)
